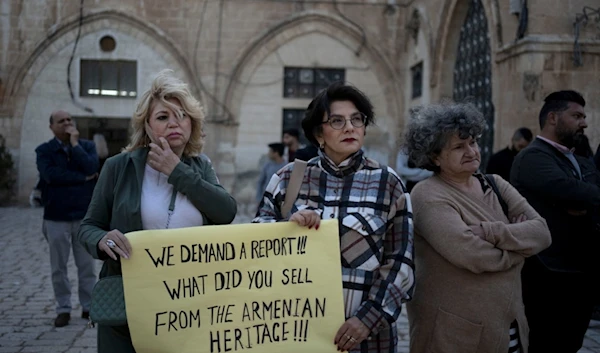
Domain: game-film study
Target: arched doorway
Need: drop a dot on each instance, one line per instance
(45, 87)
(473, 71)
(275, 80)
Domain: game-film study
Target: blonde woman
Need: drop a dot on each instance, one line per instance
(159, 182)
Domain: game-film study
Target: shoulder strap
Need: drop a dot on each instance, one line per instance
(293, 187)
(492, 182)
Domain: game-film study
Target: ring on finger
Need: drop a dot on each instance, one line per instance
(111, 244)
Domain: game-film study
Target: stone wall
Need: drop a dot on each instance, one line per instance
(233, 53)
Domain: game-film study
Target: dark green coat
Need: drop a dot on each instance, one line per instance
(116, 200)
(116, 205)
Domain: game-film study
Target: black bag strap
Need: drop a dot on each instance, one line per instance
(492, 182)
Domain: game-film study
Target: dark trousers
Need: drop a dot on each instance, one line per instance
(558, 307)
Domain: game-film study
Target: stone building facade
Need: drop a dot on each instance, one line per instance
(255, 64)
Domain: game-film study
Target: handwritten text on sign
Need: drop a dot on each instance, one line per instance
(254, 287)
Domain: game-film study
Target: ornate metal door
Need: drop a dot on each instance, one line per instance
(472, 72)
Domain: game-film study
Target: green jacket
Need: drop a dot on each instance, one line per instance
(116, 200)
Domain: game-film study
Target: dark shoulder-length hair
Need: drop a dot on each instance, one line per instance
(312, 124)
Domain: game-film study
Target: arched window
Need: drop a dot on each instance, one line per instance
(473, 74)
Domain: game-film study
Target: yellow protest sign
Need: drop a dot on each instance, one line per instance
(250, 287)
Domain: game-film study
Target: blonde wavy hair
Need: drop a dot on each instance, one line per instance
(166, 86)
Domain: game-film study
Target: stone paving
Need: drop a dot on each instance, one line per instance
(27, 303)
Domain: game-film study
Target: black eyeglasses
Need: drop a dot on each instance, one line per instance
(338, 122)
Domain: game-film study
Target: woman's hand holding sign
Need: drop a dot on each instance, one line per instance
(115, 243)
(351, 334)
(306, 218)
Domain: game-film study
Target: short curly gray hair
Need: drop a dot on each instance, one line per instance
(431, 127)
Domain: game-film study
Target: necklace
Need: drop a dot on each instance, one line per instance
(171, 207)
(171, 204)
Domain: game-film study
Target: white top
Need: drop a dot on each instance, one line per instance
(407, 173)
(156, 197)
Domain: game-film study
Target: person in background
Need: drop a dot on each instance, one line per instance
(291, 140)
(202, 154)
(408, 172)
(68, 168)
(307, 153)
(597, 157)
(472, 235)
(159, 182)
(501, 162)
(582, 148)
(36, 195)
(559, 283)
(274, 163)
(101, 148)
(372, 208)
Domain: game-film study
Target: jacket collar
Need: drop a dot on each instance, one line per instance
(56, 144)
(142, 154)
(349, 166)
(543, 144)
(561, 148)
(138, 157)
(139, 154)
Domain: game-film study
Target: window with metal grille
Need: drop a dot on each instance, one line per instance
(108, 78)
(307, 82)
(473, 72)
(417, 80)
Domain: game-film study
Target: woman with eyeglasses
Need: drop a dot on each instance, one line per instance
(373, 210)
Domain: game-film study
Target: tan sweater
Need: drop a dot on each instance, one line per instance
(468, 290)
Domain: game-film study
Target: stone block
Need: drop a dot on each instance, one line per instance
(85, 342)
(45, 348)
(7, 329)
(9, 349)
(10, 343)
(58, 335)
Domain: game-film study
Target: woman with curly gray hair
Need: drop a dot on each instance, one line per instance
(472, 235)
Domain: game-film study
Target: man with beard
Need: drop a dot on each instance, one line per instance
(565, 189)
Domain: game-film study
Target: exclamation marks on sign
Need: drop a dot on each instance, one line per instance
(305, 330)
(300, 330)
(302, 245)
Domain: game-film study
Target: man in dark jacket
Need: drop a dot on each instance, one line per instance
(565, 189)
(307, 153)
(501, 162)
(68, 166)
(291, 140)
